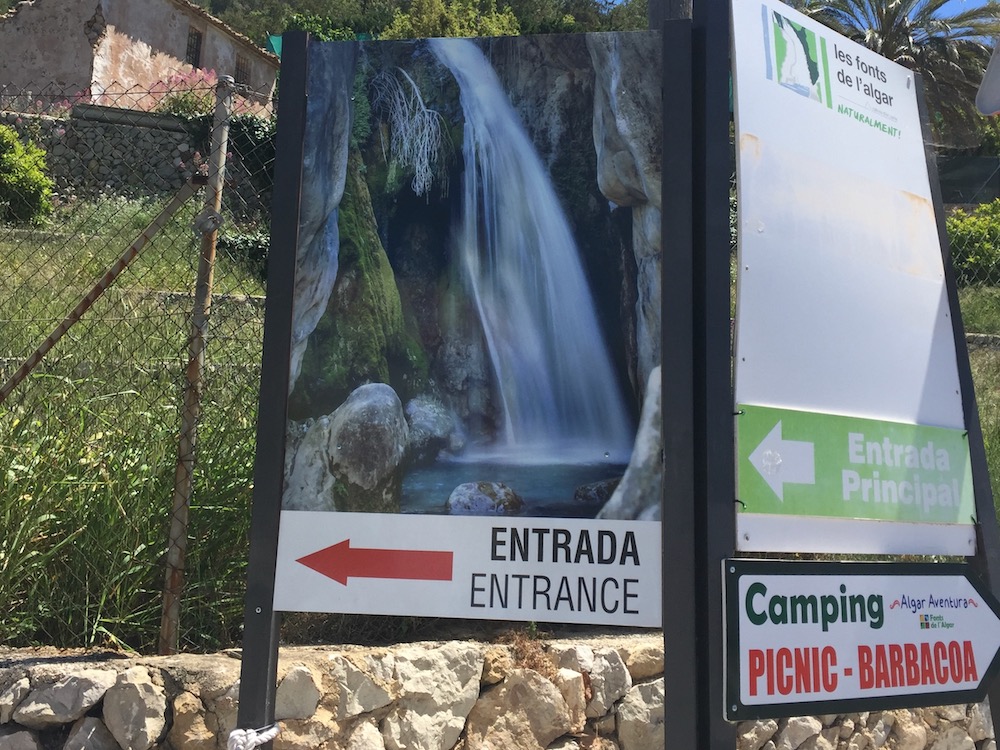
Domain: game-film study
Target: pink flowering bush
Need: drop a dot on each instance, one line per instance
(186, 94)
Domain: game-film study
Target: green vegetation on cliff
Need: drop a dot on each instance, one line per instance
(363, 336)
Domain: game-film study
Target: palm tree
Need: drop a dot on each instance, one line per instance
(950, 51)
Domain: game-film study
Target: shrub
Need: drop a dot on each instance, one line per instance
(975, 244)
(25, 189)
(251, 146)
(247, 250)
(188, 95)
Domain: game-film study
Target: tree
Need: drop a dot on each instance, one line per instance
(950, 51)
(322, 28)
(437, 18)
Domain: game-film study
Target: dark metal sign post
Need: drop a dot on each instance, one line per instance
(261, 624)
(680, 599)
(698, 519)
(714, 472)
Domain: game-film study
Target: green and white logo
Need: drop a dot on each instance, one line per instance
(796, 57)
(809, 464)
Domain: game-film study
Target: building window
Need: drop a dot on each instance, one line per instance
(242, 74)
(193, 55)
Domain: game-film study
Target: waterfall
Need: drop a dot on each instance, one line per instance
(558, 390)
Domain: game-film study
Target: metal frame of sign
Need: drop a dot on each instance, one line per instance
(715, 523)
(736, 711)
(258, 675)
(986, 560)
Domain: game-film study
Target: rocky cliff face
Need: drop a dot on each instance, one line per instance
(379, 294)
(553, 84)
(628, 139)
(327, 138)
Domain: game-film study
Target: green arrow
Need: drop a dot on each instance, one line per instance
(851, 467)
(782, 461)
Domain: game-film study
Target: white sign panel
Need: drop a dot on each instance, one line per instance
(841, 302)
(842, 307)
(806, 638)
(544, 569)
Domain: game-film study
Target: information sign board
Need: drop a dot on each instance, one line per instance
(807, 638)
(845, 469)
(842, 307)
(460, 415)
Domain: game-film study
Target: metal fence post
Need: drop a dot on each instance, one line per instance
(207, 223)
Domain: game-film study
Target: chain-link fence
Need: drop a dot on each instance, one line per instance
(969, 188)
(96, 454)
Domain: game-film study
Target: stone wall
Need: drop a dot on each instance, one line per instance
(90, 153)
(598, 693)
(110, 151)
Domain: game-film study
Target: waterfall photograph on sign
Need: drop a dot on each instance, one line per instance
(476, 313)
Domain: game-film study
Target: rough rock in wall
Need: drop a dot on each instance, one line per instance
(142, 153)
(526, 695)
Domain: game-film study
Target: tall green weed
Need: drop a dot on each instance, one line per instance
(85, 504)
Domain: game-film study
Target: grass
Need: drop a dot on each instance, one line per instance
(986, 374)
(85, 503)
(88, 444)
(980, 309)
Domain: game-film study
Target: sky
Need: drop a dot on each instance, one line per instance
(957, 6)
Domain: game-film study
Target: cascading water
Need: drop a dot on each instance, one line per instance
(558, 389)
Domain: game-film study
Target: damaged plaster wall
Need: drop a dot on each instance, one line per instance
(45, 43)
(147, 42)
(115, 45)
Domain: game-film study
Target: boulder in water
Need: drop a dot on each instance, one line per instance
(484, 499)
(433, 428)
(349, 460)
(596, 493)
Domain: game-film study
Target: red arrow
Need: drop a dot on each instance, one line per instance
(341, 562)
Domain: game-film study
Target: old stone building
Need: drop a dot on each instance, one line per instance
(107, 46)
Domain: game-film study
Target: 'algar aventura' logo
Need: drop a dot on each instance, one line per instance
(915, 604)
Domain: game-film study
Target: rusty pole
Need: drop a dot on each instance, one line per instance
(207, 223)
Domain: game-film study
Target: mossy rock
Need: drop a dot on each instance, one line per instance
(363, 336)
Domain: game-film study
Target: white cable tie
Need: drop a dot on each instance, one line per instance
(247, 739)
